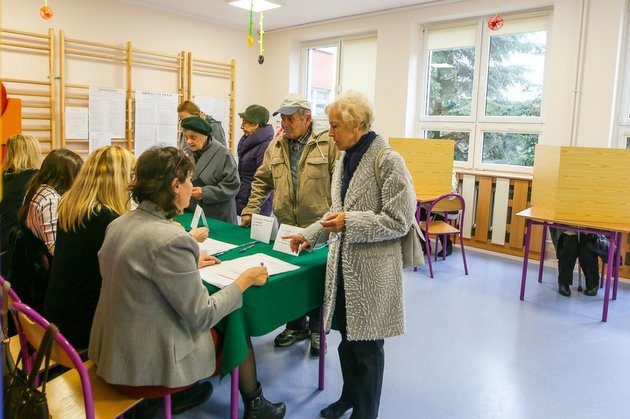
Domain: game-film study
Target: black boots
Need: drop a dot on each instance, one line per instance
(257, 407)
(335, 410)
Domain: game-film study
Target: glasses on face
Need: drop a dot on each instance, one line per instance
(181, 159)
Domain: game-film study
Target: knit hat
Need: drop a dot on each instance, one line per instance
(292, 103)
(197, 124)
(256, 114)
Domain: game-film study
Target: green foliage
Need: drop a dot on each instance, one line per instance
(509, 148)
(462, 140)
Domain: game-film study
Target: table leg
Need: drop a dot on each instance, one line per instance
(609, 270)
(617, 265)
(322, 349)
(528, 234)
(543, 248)
(234, 394)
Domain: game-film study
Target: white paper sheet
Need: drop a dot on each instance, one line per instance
(225, 273)
(211, 246)
(76, 123)
(283, 245)
(156, 120)
(99, 139)
(107, 111)
(262, 228)
(217, 107)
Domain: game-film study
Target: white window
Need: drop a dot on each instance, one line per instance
(484, 89)
(623, 128)
(335, 66)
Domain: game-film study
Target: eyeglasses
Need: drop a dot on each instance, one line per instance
(332, 238)
(181, 159)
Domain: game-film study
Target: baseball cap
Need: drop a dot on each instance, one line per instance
(291, 104)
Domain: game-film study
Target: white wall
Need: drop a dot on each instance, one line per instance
(115, 22)
(398, 55)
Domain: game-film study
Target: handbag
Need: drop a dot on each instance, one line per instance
(23, 399)
(412, 253)
(8, 363)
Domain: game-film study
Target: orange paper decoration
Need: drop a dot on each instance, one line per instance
(46, 12)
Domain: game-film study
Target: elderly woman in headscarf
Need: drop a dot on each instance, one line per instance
(373, 207)
(215, 179)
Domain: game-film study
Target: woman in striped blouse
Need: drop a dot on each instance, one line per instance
(39, 210)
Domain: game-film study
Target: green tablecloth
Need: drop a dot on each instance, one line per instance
(285, 297)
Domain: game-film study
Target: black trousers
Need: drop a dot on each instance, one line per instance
(300, 324)
(569, 249)
(362, 364)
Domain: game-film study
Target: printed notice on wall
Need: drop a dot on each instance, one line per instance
(76, 123)
(106, 115)
(216, 107)
(156, 120)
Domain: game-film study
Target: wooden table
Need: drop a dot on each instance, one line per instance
(545, 218)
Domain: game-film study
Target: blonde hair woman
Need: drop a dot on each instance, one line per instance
(99, 195)
(21, 161)
(188, 108)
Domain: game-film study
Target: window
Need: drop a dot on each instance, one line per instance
(336, 66)
(623, 128)
(484, 90)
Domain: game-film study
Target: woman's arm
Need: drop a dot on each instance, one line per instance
(44, 221)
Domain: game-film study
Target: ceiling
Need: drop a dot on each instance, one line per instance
(293, 13)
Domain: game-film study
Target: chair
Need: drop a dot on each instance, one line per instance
(65, 392)
(15, 342)
(441, 229)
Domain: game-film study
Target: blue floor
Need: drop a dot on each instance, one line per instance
(473, 350)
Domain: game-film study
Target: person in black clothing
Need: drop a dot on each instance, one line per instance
(21, 161)
(571, 246)
(98, 196)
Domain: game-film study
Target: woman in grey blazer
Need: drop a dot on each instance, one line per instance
(363, 290)
(215, 178)
(151, 331)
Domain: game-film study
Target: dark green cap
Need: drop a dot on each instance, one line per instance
(197, 124)
(256, 114)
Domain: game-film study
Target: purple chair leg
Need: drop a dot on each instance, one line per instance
(461, 243)
(415, 268)
(609, 270)
(437, 239)
(528, 234)
(322, 350)
(444, 237)
(167, 407)
(617, 266)
(601, 279)
(234, 394)
(543, 247)
(427, 246)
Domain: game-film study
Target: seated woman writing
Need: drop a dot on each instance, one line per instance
(151, 331)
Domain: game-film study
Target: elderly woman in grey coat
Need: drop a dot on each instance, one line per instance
(215, 178)
(363, 290)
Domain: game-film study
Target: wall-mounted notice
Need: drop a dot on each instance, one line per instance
(106, 115)
(76, 123)
(216, 107)
(156, 120)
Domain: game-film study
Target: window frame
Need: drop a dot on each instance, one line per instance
(478, 122)
(622, 127)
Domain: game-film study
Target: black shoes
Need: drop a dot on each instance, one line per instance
(191, 397)
(257, 407)
(591, 292)
(336, 409)
(289, 337)
(564, 290)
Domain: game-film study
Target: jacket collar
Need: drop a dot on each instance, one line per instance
(205, 158)
(152, 209)
(263, 135)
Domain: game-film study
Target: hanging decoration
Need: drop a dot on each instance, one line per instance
(250, 39)
(46, 12)
(495, 22)
(261, 31)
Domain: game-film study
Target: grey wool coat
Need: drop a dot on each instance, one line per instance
(217, 175)
(370, 246)
(153, 318)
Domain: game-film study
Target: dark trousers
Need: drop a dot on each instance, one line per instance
(362, 364)
(569, 249)
(300, 324)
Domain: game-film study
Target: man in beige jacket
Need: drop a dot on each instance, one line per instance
(297, 166)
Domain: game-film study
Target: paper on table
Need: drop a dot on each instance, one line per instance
(262, 228)
(211, 246)
(198, 215)
(225, 273)
(212, 276)
(282, 245)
